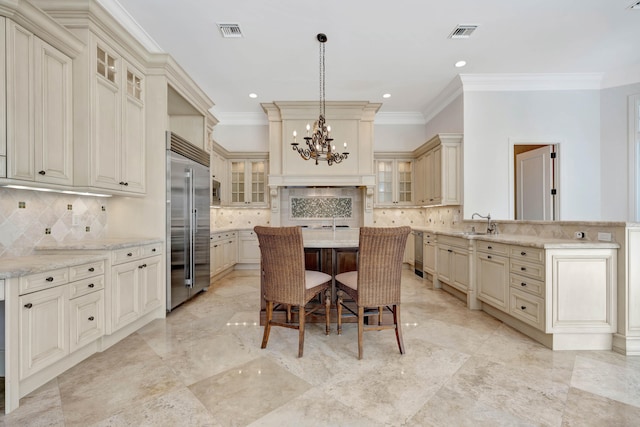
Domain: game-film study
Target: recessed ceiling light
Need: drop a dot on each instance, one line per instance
(386, 95)
(253, 95)
(461, 64)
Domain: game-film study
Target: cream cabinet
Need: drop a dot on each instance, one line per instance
(248, 247)
(452, 258)
(439, 170)
(110, 149)
(248, 182)
(394, 181)
(429, 253)
(223, 251)
(137, 284)
(39, 111)
(492, 274)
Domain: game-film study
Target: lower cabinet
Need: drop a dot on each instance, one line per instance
(248, 248)
(223, 251)
(86, 319)
(452, 261)
(137, 285)
(492, 274)
(429, 253)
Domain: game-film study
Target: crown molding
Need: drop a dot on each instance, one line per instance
(444, 98)
(530, 82)
(400, 118)
(242, 119)
(130, 25)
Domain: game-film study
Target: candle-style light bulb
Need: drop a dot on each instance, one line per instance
(308, 128)
(345, 144)
(328, 130)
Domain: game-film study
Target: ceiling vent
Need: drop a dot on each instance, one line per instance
(635, 5)
(462, 31)
(230, 30)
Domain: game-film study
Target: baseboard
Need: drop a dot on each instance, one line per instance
(629, 346)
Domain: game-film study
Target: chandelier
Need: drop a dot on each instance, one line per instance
(318, 143)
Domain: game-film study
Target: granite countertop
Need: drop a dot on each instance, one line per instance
(40, 263)
(523, 240)
(322, 238)
(99, 244)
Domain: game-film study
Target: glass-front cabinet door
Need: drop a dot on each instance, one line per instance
(394, 182)
(248, 182)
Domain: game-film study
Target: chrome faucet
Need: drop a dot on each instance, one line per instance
(491, 226)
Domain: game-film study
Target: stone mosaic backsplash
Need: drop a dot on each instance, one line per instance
(29, 218)
(321, 207)
(239, 218)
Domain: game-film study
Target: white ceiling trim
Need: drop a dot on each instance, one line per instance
(444, 98)
(126, 20)
(241, 119)
(529, 82)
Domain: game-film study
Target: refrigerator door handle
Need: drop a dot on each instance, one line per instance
(190, 267)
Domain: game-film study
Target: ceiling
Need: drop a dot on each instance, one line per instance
(378, 46)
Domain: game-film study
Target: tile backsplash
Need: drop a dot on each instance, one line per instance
(29, 218)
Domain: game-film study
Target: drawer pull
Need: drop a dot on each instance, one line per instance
(489, 247)
(29, 305)
(92, 269)
(523, 284)
(523, 268)
(523, 307)
(449, 250)
(142, 266)
(153, 250)
(488, 256)
(91, 319)
(523, 253)
(91, 285)
(129, 254)
(49, 279)
(42, 173)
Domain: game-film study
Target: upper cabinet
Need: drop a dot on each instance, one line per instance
(439, 171)
(248, 182)
(110, 121)
(394, 186)
(39, 106)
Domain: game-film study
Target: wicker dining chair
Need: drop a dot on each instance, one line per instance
(285, 280)
(376, 283)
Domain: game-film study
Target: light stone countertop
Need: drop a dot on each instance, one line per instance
(320, 238)
(51, 256)
(30, 264)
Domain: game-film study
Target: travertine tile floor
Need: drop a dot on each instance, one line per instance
(203, 366)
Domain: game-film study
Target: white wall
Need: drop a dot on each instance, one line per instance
(237, 138)
(398, 137)
(449, 120)
(494, 120)
(614, 152)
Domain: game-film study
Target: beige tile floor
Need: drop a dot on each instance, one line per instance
(203, 366)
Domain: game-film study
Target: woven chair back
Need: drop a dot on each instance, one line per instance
(282, 264)
(380, 265)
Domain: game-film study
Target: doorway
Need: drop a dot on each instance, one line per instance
(536, 184)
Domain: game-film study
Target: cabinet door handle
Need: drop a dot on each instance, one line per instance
(91, 319)
(153, 250)
(92, 269)
(523, 268)
(29, 305)
(488, 256)
(49, 279)
(126, 183)
(91, 285)
(449, 250)
(523, 307)
(523, 284)
(121, 183)
(42, 172)
(142, 266)
(129, 254)
(489, 247)
(523, 253)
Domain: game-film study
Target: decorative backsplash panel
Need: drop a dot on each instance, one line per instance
(321, 207)
(28, 218)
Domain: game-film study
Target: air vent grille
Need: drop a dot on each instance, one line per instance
(230, 30)
(462, 31)
(635, 5)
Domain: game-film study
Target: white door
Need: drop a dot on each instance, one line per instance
(534, 182)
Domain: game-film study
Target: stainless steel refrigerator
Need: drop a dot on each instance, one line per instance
(188, 189)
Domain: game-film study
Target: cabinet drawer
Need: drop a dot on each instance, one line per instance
(535, 255)
(126, 254)
(86, 319)
(528, 308)
(492, 247)
(36, 282)
(85, 286)
(532, 286)
(149, 250)
(535, 271)
(86, 270)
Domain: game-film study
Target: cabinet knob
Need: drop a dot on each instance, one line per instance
(449, 250)
(126, 183)
(49, 279)
(29, 305)
(91, 319)
(121, 183)
(523, 268)
(129, 254)
(153, 250)
(92, 269)
(91, 285)
(523, 307)
(42, 172)
(488, 256)
(489, 247)
(523, 253)
(523, 284)
(142, 266)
